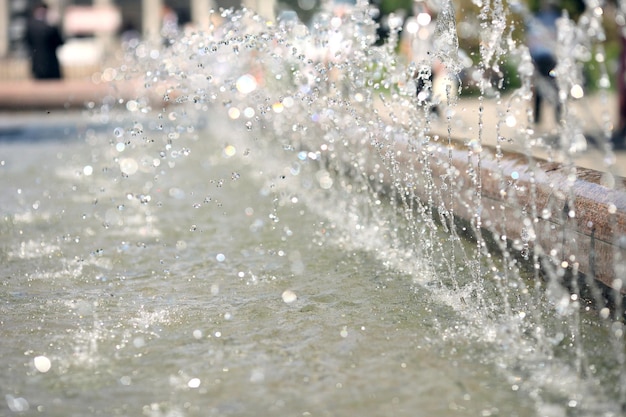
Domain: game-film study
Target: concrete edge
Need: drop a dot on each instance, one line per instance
(580, 217)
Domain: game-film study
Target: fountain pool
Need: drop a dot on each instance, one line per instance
(268, 238)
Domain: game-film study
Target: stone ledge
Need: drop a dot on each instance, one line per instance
(579, 216)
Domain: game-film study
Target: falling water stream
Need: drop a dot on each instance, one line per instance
(244, 238)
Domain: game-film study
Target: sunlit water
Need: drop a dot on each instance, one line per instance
(238, 253)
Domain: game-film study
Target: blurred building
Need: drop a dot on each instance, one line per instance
(92, 27)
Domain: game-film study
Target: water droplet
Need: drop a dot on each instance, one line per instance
(577, 91)
(249, 113)
(176, 193)
(234, 113)
(278, 107)
(17, 405)
(139, 342)
(511, 121)
(288, 102)
(229, 151)
(128, 166)
(344, 332)
(325, 180)
(132, 105)
(246, 84)
(42, 364)
(617, 284)
(194, 383)
(289, 296)
(605, 312)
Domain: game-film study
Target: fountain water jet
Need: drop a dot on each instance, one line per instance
(324, 137)
(564, 222)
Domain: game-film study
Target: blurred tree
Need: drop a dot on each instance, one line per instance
(574, 7)
(389, 6)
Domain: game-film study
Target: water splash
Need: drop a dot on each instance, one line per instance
(323, 96)
(320, 120)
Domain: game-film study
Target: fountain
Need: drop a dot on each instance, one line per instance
(275, 228)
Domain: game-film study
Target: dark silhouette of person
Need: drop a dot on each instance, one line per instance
(43, 39)
(541, 40)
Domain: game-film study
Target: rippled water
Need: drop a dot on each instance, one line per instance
(189, 309)
(254, 249)
(241, 288)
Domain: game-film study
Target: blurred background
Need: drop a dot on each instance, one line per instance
(95, 30)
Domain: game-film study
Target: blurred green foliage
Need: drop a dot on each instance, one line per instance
(470, 24)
